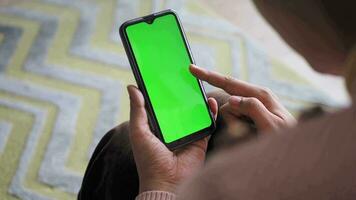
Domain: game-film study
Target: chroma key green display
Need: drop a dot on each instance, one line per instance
(163, 62)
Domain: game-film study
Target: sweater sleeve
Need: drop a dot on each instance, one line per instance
(156, 195)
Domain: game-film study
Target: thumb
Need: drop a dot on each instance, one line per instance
(140, 133)
(213, 104)
(138, 117)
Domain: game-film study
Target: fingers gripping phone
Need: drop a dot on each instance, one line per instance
(160, 56)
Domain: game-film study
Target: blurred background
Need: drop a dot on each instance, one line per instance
(63, 77)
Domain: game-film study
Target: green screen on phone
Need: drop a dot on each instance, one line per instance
(163, 61)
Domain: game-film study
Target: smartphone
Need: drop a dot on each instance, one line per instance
(160, 56)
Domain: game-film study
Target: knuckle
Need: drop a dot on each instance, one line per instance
(252, 102)
(223, 109)
(265, 94)
(229, 78)
(250, 105)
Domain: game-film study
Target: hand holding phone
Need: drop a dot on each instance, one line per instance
(160, 56)
(158, 167)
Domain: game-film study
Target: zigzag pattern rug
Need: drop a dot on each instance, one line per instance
(63, 74)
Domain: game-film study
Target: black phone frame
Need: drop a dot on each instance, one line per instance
(141, 85)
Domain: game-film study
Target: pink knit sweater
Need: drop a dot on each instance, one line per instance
(156, 195)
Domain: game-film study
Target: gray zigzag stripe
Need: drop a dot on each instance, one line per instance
(8, 46)
(156, 5)
(194, 19)
(233, 43)
(16, 186)
(128, 9)
(260, 66)
(125, 10)
(5, 130)
(68, 106)
(108, 87)
(109, 109)
(177, 5)
(80, 45)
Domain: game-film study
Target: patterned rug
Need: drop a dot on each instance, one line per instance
(63, 74)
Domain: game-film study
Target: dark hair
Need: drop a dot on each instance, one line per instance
(340, 15)
(343, 16)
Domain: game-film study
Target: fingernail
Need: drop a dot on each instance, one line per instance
(128, 90)
(235, 100)
(194, 66)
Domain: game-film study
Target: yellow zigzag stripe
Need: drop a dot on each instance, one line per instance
(1, 38)
(58, 54)
(9, 159)
(90, 97)
(102, 30)
(29, 32)
(31, 181)
(223, 51)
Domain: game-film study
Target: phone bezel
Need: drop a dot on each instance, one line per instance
(151, 115)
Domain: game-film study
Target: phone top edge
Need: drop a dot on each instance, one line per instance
(141, 19)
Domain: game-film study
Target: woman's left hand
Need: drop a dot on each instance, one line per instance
(158, 167)
(257, 103)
